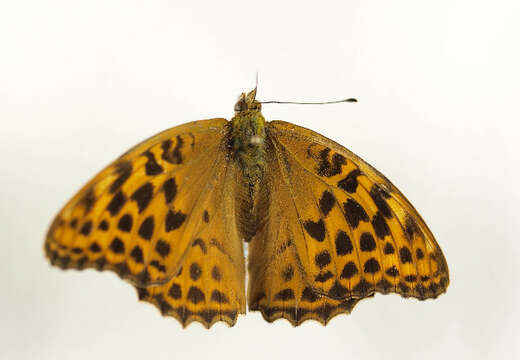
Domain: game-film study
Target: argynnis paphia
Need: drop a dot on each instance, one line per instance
(325, 229)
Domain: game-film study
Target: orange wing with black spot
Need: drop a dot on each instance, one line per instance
(162, 216)
(335, 231)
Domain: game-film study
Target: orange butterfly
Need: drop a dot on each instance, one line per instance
(324, 228)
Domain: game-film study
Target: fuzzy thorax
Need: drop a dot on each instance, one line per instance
(248, 137)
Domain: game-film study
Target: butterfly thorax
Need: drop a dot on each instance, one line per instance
(248, 138)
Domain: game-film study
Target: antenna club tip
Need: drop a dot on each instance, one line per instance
(352, 100)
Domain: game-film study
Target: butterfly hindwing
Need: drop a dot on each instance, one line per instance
(209, 286)
(152, 217)
(345, 230)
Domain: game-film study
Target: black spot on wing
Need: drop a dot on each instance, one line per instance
(162, 248)
(327, 202)
(175, 291)
(100, 263)
(315, 229)
(216, 274)
(349, 270)
(137, 254)
(372, 266)
(158, 265)
(343, 243)
(146, 228)
(410, 278)
(354, 213)
(143, 196)
(88, 200)
(367, 242)
(405, 255)
(433, 287)
(121, 269)
(123, 170)
(325, 167)
(200, 243)
(125, 223)
(117, 202)
(165, 146)
(117, 246)
(411, 228)
(152, 167)
(174, 156)
(388, 249)
(284, 295)
(380, 226)
(142, 293)
(379, 197)
(350, 183)
(170, 190)
(163, 305)
(392, 271)
(94, 247)
(219, 297)
(421, 290)
(174, 220)
(322, 259)
(309, 295)
(338, 291)
(404, 288)
(86, 228)
(287, 273)
(103, 225)
(82, 261)
(195, 295)
(384, 286)
(363, 288)
(323, 276)
(205, 216)
(195, 271)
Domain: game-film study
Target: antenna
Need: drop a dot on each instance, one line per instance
(350, 100)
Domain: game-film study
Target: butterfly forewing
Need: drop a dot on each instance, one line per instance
(152, 217)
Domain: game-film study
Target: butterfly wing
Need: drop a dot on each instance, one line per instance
(336, 231)
(152, 217)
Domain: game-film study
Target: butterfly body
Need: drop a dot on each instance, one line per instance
(325, 229)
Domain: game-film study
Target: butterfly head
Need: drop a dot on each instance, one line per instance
(247, 102)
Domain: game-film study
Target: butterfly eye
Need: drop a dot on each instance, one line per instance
(240, 105)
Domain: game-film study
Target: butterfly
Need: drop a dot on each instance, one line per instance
(324, 229)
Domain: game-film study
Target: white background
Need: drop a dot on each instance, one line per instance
(438, 114)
